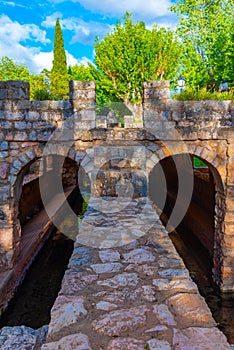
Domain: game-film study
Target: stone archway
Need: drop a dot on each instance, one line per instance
(25, 161)
(207, 202)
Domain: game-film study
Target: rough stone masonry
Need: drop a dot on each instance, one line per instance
(200, 128)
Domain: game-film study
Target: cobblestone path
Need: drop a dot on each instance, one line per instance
(133, 292)
(126, 288)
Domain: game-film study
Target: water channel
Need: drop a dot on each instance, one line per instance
(199, 264)
(34, 299)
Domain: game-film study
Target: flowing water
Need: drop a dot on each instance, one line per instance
(35, 297)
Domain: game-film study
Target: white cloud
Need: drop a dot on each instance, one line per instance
(45, 59)
(13, 32)
(13, 4)
(50, 21)
(146, 10)
(86, 32)
(42, 60)
(12, 38)
(83, 32)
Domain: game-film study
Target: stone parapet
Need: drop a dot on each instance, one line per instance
(192, 119)
(205, 128)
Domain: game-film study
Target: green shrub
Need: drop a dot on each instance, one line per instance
(47, 95)
(203, 94)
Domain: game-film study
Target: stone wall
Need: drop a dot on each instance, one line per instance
(201, 128)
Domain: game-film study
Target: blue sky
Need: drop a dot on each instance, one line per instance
(27, 27)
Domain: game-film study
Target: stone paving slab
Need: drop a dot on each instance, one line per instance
(133, 296)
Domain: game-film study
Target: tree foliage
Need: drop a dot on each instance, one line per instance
(206, 29)
(59, 75)
(132, 54)
(104, 89)
(11, 70)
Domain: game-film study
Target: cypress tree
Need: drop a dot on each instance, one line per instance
(59, 77)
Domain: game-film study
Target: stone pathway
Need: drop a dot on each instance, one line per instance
(128, 289)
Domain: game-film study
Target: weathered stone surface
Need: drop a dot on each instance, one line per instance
(190, 310)
(138, 256)
(147, 293)
(156, 344)
(3, 170)
(178, 284)
(77, 341)
(109, 255)
(105, 305)
(77, 262)
(143, 269)
(153, 270)
(163, 314)
(126, 344)
(119, 321)
(115, 296)
(43, 331)
(199, 339)
(157, 329)
(107, 268)
(75, 281)
(121, 280)
(173, 273)
(82, 250)
(20, 338)
(66, 311)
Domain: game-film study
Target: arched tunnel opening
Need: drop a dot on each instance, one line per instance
(44, 249)
(197, 221)
(196, 237)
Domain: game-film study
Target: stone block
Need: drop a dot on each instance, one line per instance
(22, 125)
(77, 341)
(116, 322)
(199, 338)
(15, 116)
(3, 154)
(3, 146)
(20, 136)
(66, 311)
(190, 310)
(157, 90)
(6, 239)
(5, 125)
(126, 344)
(32, 116)
(4, 167)
(18, 337)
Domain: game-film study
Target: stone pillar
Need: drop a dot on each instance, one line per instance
(13, 96)
(13, 91)
(83, 100)
(156, 114)
(228, 227)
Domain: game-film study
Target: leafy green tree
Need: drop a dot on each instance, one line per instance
(207, 31)
(132, 54)
(59, 76)
(104, 90)
(11, 70)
